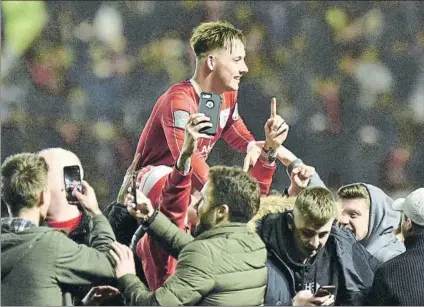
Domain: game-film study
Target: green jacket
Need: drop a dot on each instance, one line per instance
(222, 266)
(38, 262)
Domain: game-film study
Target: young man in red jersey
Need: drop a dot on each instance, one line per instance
(220, 64)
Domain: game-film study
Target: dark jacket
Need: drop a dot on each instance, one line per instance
(223, 266)
(400, 280)
(343, 262)
(38, 262)
(123, 223)
(127, 232)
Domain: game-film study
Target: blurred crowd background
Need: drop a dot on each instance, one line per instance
(348, 77)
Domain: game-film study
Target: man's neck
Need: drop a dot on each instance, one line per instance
(64, 213)
(30, 215)
(203, 83)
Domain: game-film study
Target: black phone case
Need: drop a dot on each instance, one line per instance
(210, 105)
(72, 173)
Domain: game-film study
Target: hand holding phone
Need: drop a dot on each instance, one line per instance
(210, 105)
(72, 179)
(325, 291)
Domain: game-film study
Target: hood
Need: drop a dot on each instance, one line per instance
(272, 204)
(15, 246)
(383, 221)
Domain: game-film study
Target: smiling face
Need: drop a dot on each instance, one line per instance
(228, 66)
(355, 216)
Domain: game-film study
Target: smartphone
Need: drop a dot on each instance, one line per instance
(325, 290)
(72, 178)
(210, 105)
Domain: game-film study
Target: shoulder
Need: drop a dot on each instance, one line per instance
(265, 227)
(197, 253)
(181, 92)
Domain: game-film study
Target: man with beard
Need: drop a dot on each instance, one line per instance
(223, 265)
(37, 262)
(306, 251)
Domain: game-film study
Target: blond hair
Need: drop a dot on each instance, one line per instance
(24, 177)
(317, 206)
(209, 36)
(355, 190)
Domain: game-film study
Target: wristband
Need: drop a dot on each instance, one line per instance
(269, 155)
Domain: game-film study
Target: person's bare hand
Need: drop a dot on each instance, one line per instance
(192, 134)
(143, 209)
(276, 129)
(252, 156)
(323, 301)
(303, 298)
(127, 179)
(124, 259)
(88, 199)
(299, 178)
(98, 294)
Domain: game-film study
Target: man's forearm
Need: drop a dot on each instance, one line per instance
(171, 238)
(184, 162)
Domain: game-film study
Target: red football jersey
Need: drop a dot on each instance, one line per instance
(163, 135)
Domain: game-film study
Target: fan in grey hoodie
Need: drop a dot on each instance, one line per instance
(368, 212)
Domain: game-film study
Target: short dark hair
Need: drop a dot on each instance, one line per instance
(237, 189)
(24, 176)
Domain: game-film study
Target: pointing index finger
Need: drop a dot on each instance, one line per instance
(273, 107)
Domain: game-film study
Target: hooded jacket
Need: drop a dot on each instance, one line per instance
(381, 242)
(342, 262)
(37, 263)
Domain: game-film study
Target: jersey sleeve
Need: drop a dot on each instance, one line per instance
(262, 171)
(236, 133)
(175, 115)
(176, 197)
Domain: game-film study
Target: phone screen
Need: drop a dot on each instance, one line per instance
(72, 178)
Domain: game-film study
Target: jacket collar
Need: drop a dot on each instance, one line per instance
(225, 229)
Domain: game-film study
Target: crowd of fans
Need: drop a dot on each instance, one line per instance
(348, 77)
(80, 87)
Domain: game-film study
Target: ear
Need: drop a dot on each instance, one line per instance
(41, 198)
(290, 220)
(210, 62)
(408, 224)
(223, 212)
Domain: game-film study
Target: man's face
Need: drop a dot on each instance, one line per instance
(309, 238)
(230, 66)
(355, 216)
(205, 211)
